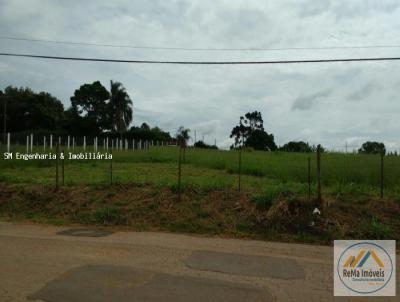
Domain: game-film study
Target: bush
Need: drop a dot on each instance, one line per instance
(203, 145)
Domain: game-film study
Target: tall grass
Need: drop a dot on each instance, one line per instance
(338, 170)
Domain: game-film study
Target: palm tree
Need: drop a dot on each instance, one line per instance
(182, 137)
(121, 107)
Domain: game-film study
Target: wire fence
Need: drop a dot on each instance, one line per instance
(87, 143)
(314, 174)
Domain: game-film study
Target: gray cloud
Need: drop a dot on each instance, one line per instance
(313, 8)
(364, 92)
(346, 76)
(361, 8)
(342, 9)
(211, 98)
(308, 101)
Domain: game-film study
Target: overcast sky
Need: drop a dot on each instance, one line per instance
(329, 104)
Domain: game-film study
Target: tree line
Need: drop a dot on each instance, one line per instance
(250, 133)
(94, 111)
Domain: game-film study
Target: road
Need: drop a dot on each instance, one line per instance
(49, 263)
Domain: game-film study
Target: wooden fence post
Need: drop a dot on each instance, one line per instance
(111, 167)
(240, 168)
(57, 159)
(309, 178)
(179, 173)
(8, 142)
(382, 174)
(62, 168)
(319, 175)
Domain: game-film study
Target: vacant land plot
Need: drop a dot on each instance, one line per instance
(359, 173)
(273, 201)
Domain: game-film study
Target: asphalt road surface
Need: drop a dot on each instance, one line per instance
(60, 264)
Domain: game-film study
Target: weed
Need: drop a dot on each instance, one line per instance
(378, 230)
(268, 196)
(107, 216)
(121, 203)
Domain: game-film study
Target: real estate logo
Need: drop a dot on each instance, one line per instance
(365, 268)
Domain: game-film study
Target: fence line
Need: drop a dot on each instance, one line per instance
(71, 142)
(123, 144)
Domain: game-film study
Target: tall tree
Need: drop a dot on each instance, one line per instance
(254, 121)
(203, 145)
(250, 133)
(121, 107)
(261, 140)
(90, 103)
(372, 148)
(79, 125)
(182, 136)
(145, 127)
(239, 133)
(299, 146)
(28, 110)
(145, 132)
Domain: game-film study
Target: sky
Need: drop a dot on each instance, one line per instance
(332, 104)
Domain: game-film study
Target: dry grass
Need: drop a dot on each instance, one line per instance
(213, 212)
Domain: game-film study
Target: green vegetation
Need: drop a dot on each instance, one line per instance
(342, 174)
(273, 203)
(94, 112)
(250, 133)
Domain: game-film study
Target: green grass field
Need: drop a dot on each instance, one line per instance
(272, 204)
(215, 169)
